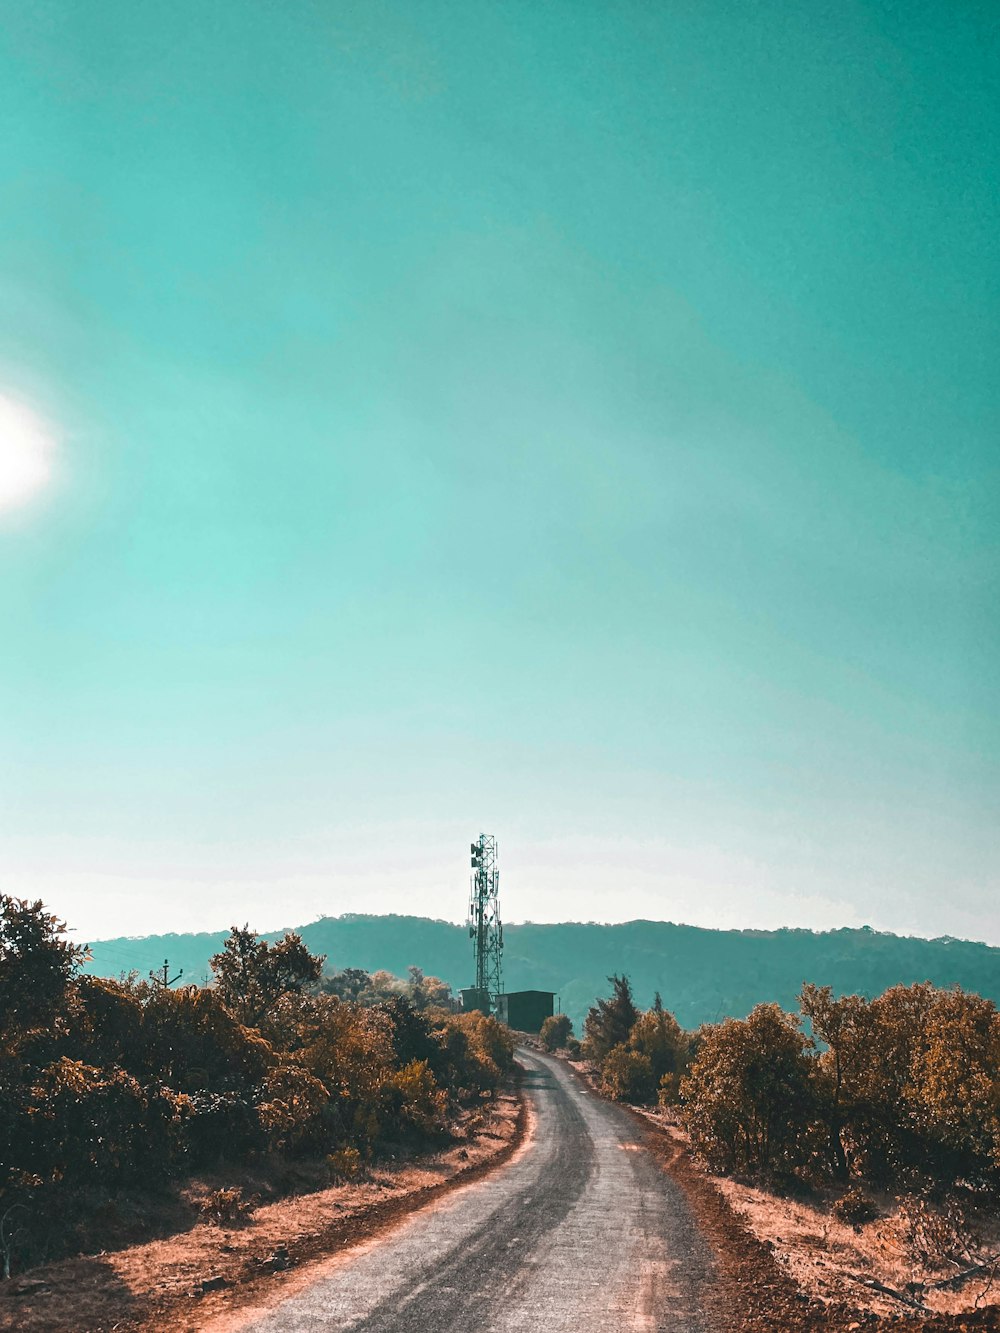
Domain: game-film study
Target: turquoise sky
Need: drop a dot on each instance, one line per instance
(577, 421)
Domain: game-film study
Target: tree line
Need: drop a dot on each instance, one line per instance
(709, 973)
(115, 1085)
(901, 1090)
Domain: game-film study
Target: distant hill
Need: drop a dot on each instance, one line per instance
(703, 975)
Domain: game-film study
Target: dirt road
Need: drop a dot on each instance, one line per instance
(582, 1231)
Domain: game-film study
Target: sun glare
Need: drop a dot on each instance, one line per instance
(26, 447)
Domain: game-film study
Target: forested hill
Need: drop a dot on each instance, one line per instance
(703, 975)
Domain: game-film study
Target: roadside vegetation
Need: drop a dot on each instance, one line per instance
(113, 1087)
(874, 1122)
(904, 1088)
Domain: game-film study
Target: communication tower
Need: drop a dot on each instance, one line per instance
(485, 928)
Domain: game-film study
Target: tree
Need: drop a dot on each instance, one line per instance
(427, 992)
(350, 1050)
(412, 1038)
(954, 1092)
(90, 1125)
(350, 984)
(908, 1084)
(383, 984)
(239, 970)
(251, 975)
(291, 967)
(37, 964)
(193, 1041)
(110, 1084)
(609, 1023)
(657, 1035)
(885, 1143)
(748, 1098)
(437, 994)
(556, 1031)
(845, 1026)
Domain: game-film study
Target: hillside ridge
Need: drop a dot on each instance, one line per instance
(702, 973)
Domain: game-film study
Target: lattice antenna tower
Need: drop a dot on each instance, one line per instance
(485, 927)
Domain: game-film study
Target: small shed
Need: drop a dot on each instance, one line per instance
(526, 1010)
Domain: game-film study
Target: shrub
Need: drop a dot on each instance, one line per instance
(881, 1134)
(669, 1091)
(419, 1103)
(908, 1084)
(88, 1125)
(855, 1208)
(954, 1091)
(222, 1125)
(345, 1165)
(292, 1114)
(627, 1076)
(748, 1100)
(658, 1035)
(492, 1043)
(227, 1207)
(937, 1235)
(412, 1034)
(350, 1050)
(476, 1050)
(192, 1042)
(556, 1031)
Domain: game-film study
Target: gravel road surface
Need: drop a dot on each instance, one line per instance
(581, 1232)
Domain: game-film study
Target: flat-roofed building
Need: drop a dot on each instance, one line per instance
(526, 1010)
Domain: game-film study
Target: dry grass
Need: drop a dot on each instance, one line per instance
(832, 1260)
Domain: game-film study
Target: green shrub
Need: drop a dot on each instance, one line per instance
(669, 1091)
(556, 1031)
(855, 1208)
(345, 1165)
(419, 1102)
(627, 1076)
(292, 1114)
(222, 1126)
(227, 1207)
(749, 1099)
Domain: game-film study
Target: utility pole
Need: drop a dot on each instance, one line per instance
(162, 977)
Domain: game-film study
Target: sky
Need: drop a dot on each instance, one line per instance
(578, 422)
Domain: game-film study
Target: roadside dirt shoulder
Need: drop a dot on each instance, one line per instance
(763, 1294)
(182, 1282)
(874, 1266)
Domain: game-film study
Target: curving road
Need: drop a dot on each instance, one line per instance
(582, 1231)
